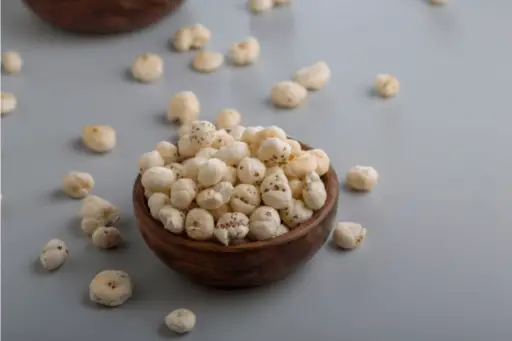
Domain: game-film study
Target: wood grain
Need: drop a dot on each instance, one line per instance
(102, 16)
(244, 265)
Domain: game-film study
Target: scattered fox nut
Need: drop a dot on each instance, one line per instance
(348, 235)
(313, 77)
(183, 107)
(288, 94)
(386, 85)
(147, 68)
(181, 321)
(94, 207)
(8, 102)
(99, 138)
(77, 184)
(245, 52)
(106, 237)
(207, 61)
(54, 254)
(361, 178)
(228, 118)
(110, 288)
(11, 62)
(191, 37)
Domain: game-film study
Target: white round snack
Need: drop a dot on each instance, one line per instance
(225, 189)
(288, 94)
(258, 6)
(183, 107)
(207, 61)
(172, 219)
(8, 102)
(275, 191)
(282, 229)
(54, 253)
(183, 193)
(270, 132)
(199, 224)
(187, 146)
(156, 202)
(219, 212)
(264, 223)
(251, 171)
(77, 184)
(228, 118)
(233, 153)
(209, 199)
(231, 175)
(200, 35)
(99, 138)
(348, 235)
(206, 153)
(168, 151)
(149, 160)
(245, 198)
(191, 37)
(11, 62)
(89, 225)
(250, 134)
(274, 152)
(110, 288)
(202, 133)
(231, 226)
(323, 161)
(191, 167)
(314, 193)
(100, 209)
(296, 187)
(177, 168)
(313, 77)
(294, 145)
(221, 138)
(236, 132)
(300, 164)
(387, 85)
(211, 172)
(106, 237)
(245, 52)
(147, 67)
(296, 213)
(275, 170)
(158, 179)
(180, 321)
(361, 178)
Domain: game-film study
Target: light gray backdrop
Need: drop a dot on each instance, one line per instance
(436, 264)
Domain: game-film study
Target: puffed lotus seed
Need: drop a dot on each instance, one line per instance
(387, 85)
(264, 223)
(110, 288)
(231, 175)
(100, 209)
(207, 61)
(251, 171)
(11, 62)
(296, 186)
(274, 152)
(177, 168)
(282, 230)
(348, 235)
(221, 138)
(199, 224)
(270, 132)
(99, 138)
(191, 37)
(156, 202)
(77, 184)
(236, 132)
(219, 212)
(185, 128)
(301, 164)
(211, 172)
(275, 170)
(288, 94)
(187, 146)
(258, 6)
(294, 145)
(191, 167)
(8, 102)
(89, 225)
(314, 193)
(313, 77)
(323, 161)
(202, 133)
(250, 134)
(168, 151)
(225, 189)
(209, 199)
(438, 2)
(149, 160)
(180, 321)
(206, 153)
(228, 118)
(158, 179)
(183, 193)
(275, 191)
(234, 153)
(361, 178)
(147, 68)
(172, 219)
(54, 254)
(245, 198)
(183, 107)
(231, 226)
(296, 213)
(106, 237)
(245, 52)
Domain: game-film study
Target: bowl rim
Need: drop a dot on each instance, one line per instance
(166, 237)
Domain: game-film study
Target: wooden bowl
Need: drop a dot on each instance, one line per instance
(239, 266)
(102, 16)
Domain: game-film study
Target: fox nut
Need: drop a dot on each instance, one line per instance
(158, 179)
(228, 118)
(172, 219)
(199, 224)
(348, 235)
(207, 61)
(100, 209)
(361, 178)
(106, 237)
(245, 198)
(233, 153)
(187, 146)
(149, 160)
(264, 223)
(191, 167)
(156, 202)
(387, 85)
(275, 191)
(222, 138)
(231, 226)
(323, 161)
(183, 107)
(274, 152)
(202, 133)
(301, 164)
(314, 193)
(211, 172)
(168, 151)
(313, 77)
(147, 68)
(288, 94)
(77, 184)
(245, 52)
(296, 213)
(99, 138)
(183, 193)
(251, 171)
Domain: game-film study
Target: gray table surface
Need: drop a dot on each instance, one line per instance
(436, 264)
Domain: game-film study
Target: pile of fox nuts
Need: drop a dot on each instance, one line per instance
(232, 185)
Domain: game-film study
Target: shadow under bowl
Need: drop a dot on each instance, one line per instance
(244, 265)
